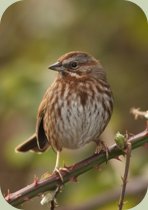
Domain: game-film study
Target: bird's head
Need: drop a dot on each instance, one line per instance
(78, 64)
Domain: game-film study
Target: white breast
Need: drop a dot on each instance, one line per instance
(80, 124)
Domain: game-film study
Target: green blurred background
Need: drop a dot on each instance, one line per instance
(33, 34)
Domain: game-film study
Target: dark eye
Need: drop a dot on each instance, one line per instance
(73, 64)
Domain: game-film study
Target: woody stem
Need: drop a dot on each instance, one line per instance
(51, 183)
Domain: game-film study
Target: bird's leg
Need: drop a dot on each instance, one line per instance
(101, 146)
(50, 197)
(57, 161)
(57, 169)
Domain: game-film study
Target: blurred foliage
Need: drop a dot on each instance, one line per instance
(33, 34)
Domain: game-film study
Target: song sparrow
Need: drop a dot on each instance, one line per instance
(75, 108)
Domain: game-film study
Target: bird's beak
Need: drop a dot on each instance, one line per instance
(56, 66)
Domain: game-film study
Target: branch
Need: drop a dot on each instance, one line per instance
(38, 187)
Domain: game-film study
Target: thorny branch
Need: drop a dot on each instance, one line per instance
(38, 187)
(137, 113)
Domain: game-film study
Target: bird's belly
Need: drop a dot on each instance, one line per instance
(79, 124)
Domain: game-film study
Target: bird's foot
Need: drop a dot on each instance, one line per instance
(60, 172)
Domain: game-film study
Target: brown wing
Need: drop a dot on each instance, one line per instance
(42, 140)
(38, 141)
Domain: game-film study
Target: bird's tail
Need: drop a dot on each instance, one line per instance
(31, 145)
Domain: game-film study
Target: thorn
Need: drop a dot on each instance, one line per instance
(117, 158)
(71, 167)
(73, 179)
(66, 167)
(64, 164)
(122, 178)
(35, 180)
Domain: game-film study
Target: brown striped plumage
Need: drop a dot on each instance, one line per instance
(75, 108)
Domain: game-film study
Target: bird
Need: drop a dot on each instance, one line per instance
(75, 109)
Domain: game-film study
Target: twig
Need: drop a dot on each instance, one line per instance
(127, 164)
(53, 181)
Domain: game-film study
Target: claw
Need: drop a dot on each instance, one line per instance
(57, 171)
(102, 147)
